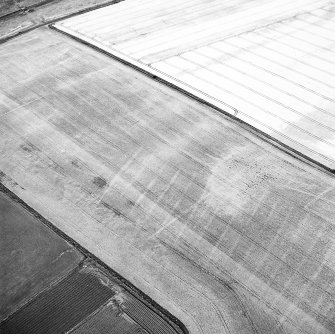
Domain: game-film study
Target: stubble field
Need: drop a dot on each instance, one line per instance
(225, 231)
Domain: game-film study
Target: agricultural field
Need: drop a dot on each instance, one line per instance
(206, 222)
(224, 230)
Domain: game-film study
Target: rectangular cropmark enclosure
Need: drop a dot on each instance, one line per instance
(269, 64)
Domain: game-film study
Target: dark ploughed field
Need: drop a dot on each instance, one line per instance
(48, 286)
(32, 256)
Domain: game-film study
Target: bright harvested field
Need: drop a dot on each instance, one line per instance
(225, 231)
(268, 63)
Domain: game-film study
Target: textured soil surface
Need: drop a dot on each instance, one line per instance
(225, 231)
(11, 6)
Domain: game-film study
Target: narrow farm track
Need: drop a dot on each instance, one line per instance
(223, 230)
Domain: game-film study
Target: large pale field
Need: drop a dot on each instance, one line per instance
(225, 231)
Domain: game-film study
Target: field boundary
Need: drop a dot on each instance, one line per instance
(194, 93)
